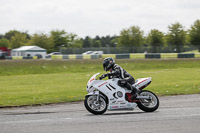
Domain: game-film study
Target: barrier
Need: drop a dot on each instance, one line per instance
(132, 56)
(122, 56)
(109, 55)
(72, 56)
(116, 56)
(197, 55)
(65, 57)
(137, 56)
(169, 55)
(185, 55)
(20, 57)
(79, 56)
(17, 57)
(95, 56)
(8, 57)
(56, 57)
(29, 57)
(151, 56)
(87, 57)
(75, 57)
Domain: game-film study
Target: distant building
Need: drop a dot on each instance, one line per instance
(29, 51)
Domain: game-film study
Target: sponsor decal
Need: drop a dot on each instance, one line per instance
(122, 103)
(114, 102)
(102, 84)
(112, 99)
(119, 101)
(114, 107)
(123, 106)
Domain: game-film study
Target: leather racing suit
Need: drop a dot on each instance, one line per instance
(126, 80)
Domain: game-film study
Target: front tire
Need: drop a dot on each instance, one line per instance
(94, 106)
(148, 105)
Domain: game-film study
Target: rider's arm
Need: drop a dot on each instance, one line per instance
(116, 72)
(111, 74)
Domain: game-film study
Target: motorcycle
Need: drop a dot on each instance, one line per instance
(108, 95)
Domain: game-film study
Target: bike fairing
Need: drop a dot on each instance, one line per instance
(103, 95)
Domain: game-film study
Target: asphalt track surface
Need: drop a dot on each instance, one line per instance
(176, 114)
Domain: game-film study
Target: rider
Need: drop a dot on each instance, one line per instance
(126, 80)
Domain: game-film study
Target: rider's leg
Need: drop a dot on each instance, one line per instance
(133, 89)
(129, 83)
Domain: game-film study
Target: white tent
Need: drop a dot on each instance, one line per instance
(28, 51)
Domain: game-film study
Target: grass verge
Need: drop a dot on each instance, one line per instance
(42, 82)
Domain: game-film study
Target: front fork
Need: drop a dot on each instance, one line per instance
(97, 98)
(94, 93)
(97, 94)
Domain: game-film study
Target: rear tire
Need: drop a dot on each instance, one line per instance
(94, 106)
(148, 105)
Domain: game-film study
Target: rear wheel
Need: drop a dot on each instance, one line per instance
(148, 105)
(94, 106)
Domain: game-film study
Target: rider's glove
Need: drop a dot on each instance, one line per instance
(103, 76)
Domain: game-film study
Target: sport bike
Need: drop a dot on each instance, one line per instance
(108, 95)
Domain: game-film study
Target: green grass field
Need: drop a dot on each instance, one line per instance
(30, 82)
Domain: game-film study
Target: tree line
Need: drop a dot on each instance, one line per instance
(177, 37)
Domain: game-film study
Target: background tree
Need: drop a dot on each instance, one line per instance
(1, 36)
(155, 39)
(42, 40)
(96, 42)
(73, 41)
(4, 42)
(176, 36)
(8, 35)
(87, 42)
(131, 37)
(109, 41)
(59, 38)
(18, 40)
(194, 34)
(77, 43)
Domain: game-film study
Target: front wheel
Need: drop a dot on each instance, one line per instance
(94, 106)
(148, 105)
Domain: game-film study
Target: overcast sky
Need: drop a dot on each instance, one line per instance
(95, 17)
